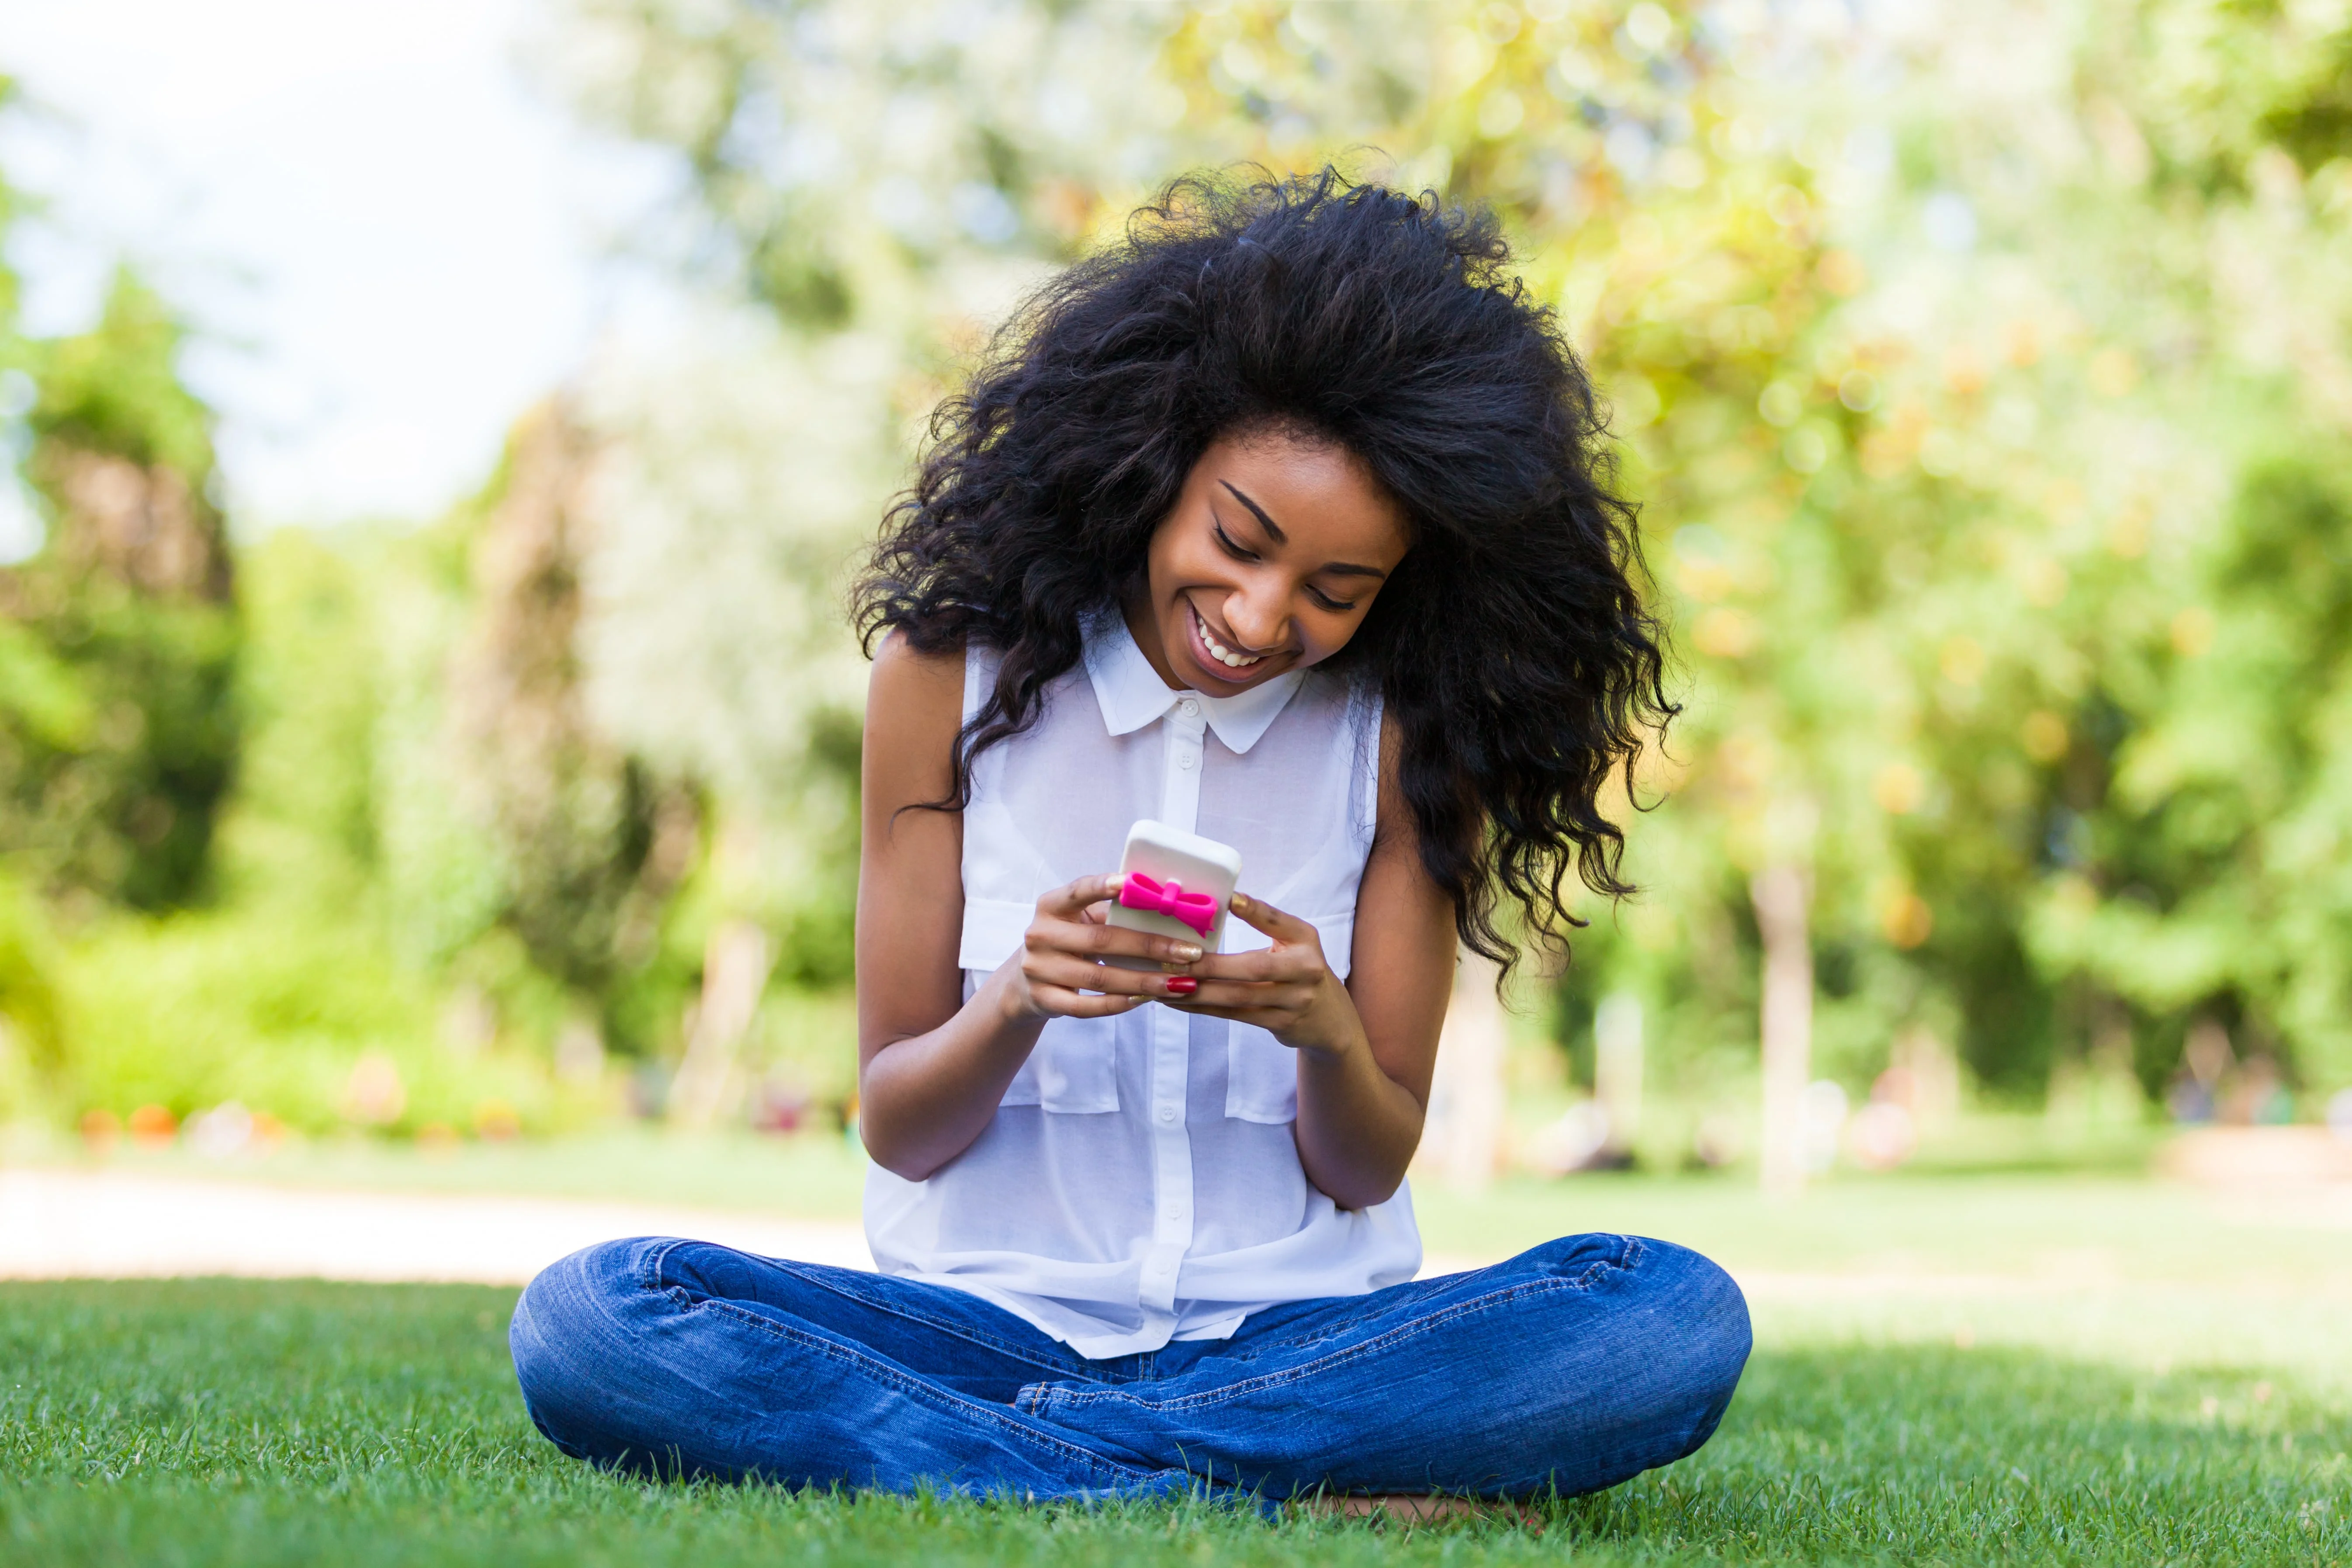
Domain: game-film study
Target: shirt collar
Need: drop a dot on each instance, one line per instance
(1132, 694)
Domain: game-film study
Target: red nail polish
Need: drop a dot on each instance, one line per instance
(1182, 985)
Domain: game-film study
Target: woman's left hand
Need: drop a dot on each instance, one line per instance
(1287, 990)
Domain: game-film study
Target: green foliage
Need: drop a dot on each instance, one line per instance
(2225, 804)
(32, 1028)
(46, 706)
(127, 812)
(119, 723)
(304, 822)
(117, 389)
(275, 1012)
(337, 936)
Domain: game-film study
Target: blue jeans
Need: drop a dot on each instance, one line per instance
(1571, 1367)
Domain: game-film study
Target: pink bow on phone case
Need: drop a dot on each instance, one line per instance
(1195, 910)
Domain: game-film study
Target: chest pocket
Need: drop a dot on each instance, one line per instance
(1261, 1072)
(1261, 1076)
(1073, 1067)
(1073, 1070)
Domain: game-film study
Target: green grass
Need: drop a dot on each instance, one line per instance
(253, 1423)
(1997, 1368)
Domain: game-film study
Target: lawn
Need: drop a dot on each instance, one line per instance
(1947, 1371)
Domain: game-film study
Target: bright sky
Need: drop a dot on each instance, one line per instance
(388, 240)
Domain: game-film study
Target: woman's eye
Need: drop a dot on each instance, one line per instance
(1232, 549)
(1328, 602)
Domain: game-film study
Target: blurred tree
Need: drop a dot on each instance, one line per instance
(119, 732)
(590, 843)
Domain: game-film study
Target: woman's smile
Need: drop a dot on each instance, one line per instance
(1217, 654)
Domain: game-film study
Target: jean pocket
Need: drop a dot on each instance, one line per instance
(1261, 1076)
(1073, 1070)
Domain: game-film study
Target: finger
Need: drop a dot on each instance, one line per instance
(1061, 1002)
(1261, 964)
(1268, 1019)
(1098, 941)
(1070, 900)
(1276, 923)
(1278, 997)
(1085, 974)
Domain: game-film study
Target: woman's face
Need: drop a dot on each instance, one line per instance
(1268, 562)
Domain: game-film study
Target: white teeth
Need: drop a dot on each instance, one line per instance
(1220, 652)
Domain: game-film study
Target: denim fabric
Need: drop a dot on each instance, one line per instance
(1572, 1367)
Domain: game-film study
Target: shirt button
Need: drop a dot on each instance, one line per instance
(1187, 707)
(1186, 761)
(1166, 1113)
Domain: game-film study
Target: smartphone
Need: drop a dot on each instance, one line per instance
(1183, 867)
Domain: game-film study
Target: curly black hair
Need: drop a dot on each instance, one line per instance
(1512, 647)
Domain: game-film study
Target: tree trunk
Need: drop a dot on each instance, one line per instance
(1781, 894)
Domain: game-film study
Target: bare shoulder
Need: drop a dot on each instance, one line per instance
(914, 705)
(913, 692)
(906, 676)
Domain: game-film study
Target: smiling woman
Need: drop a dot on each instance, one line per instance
(1280, 526)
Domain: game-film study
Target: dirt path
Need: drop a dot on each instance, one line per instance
(58, 1225)
(112, 1224)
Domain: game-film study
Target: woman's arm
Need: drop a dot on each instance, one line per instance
(1366, 1049)
(930, 1066)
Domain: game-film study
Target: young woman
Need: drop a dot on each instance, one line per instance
(1286, 522)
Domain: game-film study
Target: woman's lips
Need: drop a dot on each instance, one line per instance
(1220, 662)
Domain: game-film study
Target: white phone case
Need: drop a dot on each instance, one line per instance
(1167, 854)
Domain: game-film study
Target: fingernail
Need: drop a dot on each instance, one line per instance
(1185, 952)
(1182, 985)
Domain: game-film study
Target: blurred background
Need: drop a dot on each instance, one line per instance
(438, 438)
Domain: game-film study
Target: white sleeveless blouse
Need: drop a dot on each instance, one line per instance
(1141, 1181)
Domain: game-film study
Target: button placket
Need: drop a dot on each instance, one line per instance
(1179, 775)
(1171, 1141)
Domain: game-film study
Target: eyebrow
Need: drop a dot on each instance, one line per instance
(1274, 531)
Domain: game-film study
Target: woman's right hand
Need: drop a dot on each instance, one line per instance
(1059, 961)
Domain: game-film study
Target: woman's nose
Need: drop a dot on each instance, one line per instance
(1258, 619)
